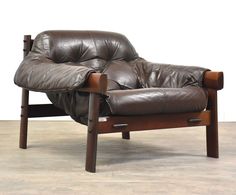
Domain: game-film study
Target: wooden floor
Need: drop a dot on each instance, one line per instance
(152, 162)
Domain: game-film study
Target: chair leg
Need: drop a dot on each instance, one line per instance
(92, 136)
(126, 135)
(212, 129)
(24, 119)
(91, 152)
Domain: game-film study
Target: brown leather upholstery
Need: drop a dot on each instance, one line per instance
(157, 100)
(81, 46)
(60, 62)
(167, 75)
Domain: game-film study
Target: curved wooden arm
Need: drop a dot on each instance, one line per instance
(213, 80)
(96, 83)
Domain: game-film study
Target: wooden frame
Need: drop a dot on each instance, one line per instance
(96, 85)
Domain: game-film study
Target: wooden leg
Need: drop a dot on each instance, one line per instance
(126, 135)
(92, 133)
(24, 119)
(91, 152)
(212, 129)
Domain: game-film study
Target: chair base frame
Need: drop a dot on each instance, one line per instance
(100, 125)
(124, 124)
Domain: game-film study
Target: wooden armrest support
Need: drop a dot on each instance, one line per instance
(96, 83)
(213, 80)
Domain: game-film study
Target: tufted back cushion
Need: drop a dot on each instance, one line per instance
(94, 49)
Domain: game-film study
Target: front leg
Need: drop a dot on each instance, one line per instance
(212, 129)
(92, 135)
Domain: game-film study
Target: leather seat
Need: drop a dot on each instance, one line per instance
(156, 100)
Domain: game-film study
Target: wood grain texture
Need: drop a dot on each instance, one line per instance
(212, 129)
(24, 119)
(24, 100)
(96, 83)
(149, 122)
(213, 80)
(94, 100)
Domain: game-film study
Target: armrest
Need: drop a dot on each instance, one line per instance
(168, 75)
(38, 73)
(96, 83)
(213, 80)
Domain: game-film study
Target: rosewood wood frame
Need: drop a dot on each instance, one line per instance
(96, 86)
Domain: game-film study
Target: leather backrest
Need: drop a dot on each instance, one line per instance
(91, 48)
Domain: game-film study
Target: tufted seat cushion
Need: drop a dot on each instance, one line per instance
(156, 100)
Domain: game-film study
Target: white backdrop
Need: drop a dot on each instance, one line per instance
(184, 32)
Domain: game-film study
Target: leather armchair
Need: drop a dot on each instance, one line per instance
(99, 80)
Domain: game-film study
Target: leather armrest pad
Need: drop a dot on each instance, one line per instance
(213, 80)
(38, 73)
